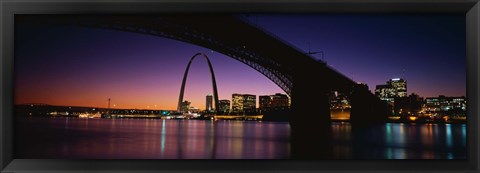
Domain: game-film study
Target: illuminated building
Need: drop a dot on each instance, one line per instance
(400, 86)
(193, 109)
(385, 92)
(446, 105)
(237, 103)
(223, 106)
(396, 87)
(249, 103)
(280, 101)
(264, 102)
(243, 103)
(274, 102)
(209, 104)
(185, 106)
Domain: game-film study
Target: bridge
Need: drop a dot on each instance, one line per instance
(307, 81)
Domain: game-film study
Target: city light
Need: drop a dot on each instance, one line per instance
(412, 118)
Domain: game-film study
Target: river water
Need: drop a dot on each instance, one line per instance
(76, 138)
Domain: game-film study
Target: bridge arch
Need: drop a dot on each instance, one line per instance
(185, 75)
(200, 31)
(288, 67)
(299, 75)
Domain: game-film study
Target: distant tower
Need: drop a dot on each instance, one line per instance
(209, 104)
(108, 112)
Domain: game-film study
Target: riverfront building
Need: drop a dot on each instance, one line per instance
(244, 103)
(274, 102)
(223, 106)
(442, 105)
(394, 88)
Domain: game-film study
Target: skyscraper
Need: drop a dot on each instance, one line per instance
(244, 103)
(396, 87)
(385, 92)
(400, 86)
(237, 103)
(223, 106)
(264, 102)
(209, 104)
(249, 103)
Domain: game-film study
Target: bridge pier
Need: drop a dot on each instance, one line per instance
(310, 121)
(366, 109)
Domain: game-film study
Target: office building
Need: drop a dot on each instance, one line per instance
(223, 106)
(237, 103)
(396, 87)
(280, 101)
(443, 105)
(400, 86)
(185, 106)
(274, 102)
(209, 103)
(249, 103)
(264, 102)
(243, 103)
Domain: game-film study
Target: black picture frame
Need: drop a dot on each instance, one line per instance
(8, 8)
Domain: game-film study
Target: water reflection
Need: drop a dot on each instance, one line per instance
(164, 132)
(400, 141)
(193, 139)
(448, 132)
(464, 135)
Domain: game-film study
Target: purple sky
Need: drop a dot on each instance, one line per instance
(86, 66)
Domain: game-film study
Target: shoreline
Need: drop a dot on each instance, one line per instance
(332, 120)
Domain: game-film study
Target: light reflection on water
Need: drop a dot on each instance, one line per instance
(195, 139)
(400, 141)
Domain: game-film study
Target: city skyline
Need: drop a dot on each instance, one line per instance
(86, 66)
(258, 102)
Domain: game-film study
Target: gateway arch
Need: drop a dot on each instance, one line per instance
(214, 83)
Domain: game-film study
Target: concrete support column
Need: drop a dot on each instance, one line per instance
(366, 109)
(310, 120)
